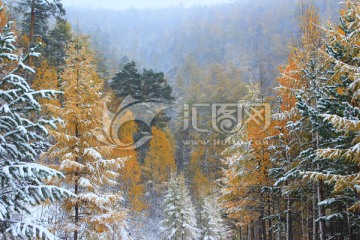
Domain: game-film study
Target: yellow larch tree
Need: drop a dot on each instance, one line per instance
(46, 77)
(130, 174)
(159, 162)
(94, 213)
(202, 170)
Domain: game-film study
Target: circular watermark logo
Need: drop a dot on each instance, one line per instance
(129, 110)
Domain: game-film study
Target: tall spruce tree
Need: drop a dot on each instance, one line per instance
(22, 139)
(325, 104)
(293, 146)
(338, 115)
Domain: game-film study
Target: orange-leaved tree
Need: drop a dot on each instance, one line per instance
(130, 175)
(94, 213)
(159, 161)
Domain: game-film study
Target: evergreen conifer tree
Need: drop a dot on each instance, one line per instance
(179, 213)
(22, 139)
(212, 224)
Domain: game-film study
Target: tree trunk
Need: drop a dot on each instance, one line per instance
(32, 22)
(347, 224)
(269, 221)
(308, 224)
(314, 232)
(248, 232)
(302, 217)
(259, 228)
(263, 225)
(289, 235)
(76, 210)
(320, 188)
(252, 237)
(76, 188)
(278, 211)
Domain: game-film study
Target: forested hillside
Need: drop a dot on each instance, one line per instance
(243, 34)
(232, 121)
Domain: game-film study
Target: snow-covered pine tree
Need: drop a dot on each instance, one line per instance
(324, 113)
(343, 101)
(96, 212)
(22, 139)
(340, 105)
(179, 213)
(212, 224)
(292, 148)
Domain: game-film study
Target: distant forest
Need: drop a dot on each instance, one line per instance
(250, 36)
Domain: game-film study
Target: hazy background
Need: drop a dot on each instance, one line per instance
(250, 37)
(139, 4)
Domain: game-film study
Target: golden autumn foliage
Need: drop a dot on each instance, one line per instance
(236, 183)
(95, 211)
(46, 77)
(291, 78)
(251, 163)
(4, 16)
(292, 81)
(311, 35)
(289, 81)
(260, 153)
(201, 184)
(130, 174)
(204, 169)
(159, 161)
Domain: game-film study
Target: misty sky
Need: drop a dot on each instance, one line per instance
(125, 4)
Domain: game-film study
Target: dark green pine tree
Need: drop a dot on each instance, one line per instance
(36, 14)
(145, 86)
(327, 99)
(308, 129)
(339, 110)
(57, 41)
(148, 86)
